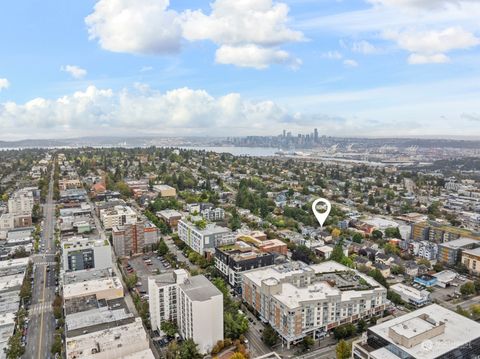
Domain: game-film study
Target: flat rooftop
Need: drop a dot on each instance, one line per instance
(124, 341)
(199, 288)
(86, 275)
(459, 331)
(473, 252)
(91, 287)
(460, 243)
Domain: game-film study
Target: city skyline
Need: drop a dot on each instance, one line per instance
(154, 67)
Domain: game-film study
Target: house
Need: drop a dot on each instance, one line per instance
(383, 268)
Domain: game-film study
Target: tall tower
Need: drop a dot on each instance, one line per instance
(315, 135)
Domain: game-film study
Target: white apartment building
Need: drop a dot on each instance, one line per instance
(82, 253)
(117, 216)
(162, 293)
(193, 302)
(21, 202)
(207, 239)
(300, 300)
(213, 214)
(7, 221)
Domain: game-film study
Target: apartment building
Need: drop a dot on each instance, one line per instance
(213, 214)
(432, 332)
(451, 252)
(298, 300)
(164, 190)
(162, 296)
(204, 239)
(132, 239)
(471, 259)
(439, 233)
(69, 183)
(82, 253)
(232, 261)
(193, 302)
(170, 217)
(117, 216)
(21, 202)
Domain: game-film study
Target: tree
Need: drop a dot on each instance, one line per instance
(169, 328)
(376, 234)
(378, 276)
(467, 288)
(131, 281)
(344, 331)
(15, 349)
(343, 350)
(188, 350)
(235, 222)
(438, 267)
(269, 336)
(395, 298)
(393, 232)
(307, 343)
(390, 248)
(361, 326)
(238, 355)
(337, 253)
(357, 237)
(162, 248)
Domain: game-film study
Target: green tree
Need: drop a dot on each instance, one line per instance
(235, 222)
(169, 328)
(376, 234)
(393, 232)
(269, 336)
(162, 248)
(307, 343)
(361, 326)
(343, 349)
(467, 288)
(188, 350)
(131, 281)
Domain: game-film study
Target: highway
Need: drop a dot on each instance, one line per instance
(41, 326)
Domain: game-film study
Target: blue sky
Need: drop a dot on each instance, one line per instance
(243, 67)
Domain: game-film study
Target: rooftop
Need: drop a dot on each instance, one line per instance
(459, 330)
(91, 287)
(460, 243)
(199, 288)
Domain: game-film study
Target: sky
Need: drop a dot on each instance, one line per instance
(375, 68)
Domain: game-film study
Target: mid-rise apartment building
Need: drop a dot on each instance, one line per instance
(204, 239)
(471, 259)
(132, 239)
(117, 216)
(213, 214)
(232, 261)
(439, 233)
(432, 332)
(194, 303)
(451, 252)
(83, 253)
(299, 300)
(21, 202)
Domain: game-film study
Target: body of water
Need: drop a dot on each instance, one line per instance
(238, 151)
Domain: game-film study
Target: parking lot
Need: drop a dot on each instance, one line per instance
(145, 266)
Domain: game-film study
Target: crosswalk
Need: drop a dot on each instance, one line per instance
(40, 308)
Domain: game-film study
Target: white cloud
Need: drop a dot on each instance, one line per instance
(332, 55)
(431, 46)
(254, 56)
(431, 42)
(350, 63)
(4, 84)
(146, 68)
(142, 109)
(150, 27)
(75, 71)
(425, 4)
(418, 59)
(240, 22)
(364, 47)
(135, 26)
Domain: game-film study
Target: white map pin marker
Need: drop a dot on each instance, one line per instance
(321, 217)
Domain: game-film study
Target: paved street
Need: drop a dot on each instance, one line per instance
(42, 321)
(103, 236)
